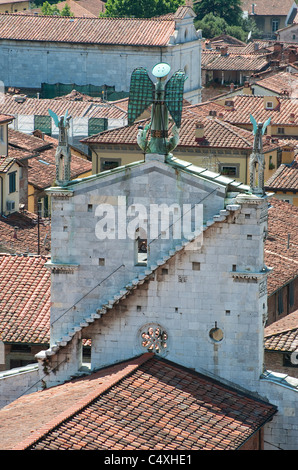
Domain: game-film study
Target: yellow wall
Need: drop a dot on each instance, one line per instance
(31, 198)
(12, 7)
(287, 196)
(7, 196)
(211, 162)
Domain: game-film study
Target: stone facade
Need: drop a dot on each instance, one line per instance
(30, 63)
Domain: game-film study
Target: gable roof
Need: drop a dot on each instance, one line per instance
(108, 31)
(280, 82)
(41, 158)
(217, 134)
(143, 403)
(237, 61)
(94, 107)
(282, 335)
(265, 8)
(24, 299)
(285, 178)
(19, 233)
(281, 252)
(244, 105)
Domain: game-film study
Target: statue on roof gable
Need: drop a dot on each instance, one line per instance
(257, 158)
(165, 97)
(63, 154)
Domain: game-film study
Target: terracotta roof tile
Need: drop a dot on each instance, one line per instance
(244, 105)
(144, 403)
(41, 163)
(272, 8)
(217, 133)
(284, 178)
(24, 299)
(282, 335)
(19, 234)
(281, 252)
(116, 31)
(94, 107)
(279, 82)
(234, 61)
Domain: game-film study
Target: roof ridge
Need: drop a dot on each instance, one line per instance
(102, 388)
(231, 128)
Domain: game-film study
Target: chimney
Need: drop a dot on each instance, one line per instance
(199, 132)
(292, 117)
(232, 87)
(224, 51)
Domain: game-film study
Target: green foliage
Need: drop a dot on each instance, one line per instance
(66, 11)
(50, 10)
(212, 26)
(228, 10)
(140, 8)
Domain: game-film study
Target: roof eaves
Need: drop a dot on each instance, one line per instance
(131, 367)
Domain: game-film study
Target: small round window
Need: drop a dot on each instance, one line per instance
(216, 334)
(154, 339)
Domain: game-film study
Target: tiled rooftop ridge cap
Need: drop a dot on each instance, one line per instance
(103, 387)
(85, 18)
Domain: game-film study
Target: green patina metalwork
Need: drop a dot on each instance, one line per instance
(165, 97)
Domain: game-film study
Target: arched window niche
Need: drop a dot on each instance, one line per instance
(141, 247)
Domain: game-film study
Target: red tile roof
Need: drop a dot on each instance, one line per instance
(282, 335)
(143, 403)
(41, 164)
(217, 134)
(284, 178)
(24, 299)
(279, 82)
(108, 31)
(237, 61)
(272, 8)
(19, 233)
(94, 107)
(281, 252)
(244, 105)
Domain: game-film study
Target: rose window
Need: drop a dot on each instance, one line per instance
(154, 339)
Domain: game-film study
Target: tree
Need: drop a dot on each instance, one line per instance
(66, 11)
(48, 9)
(229, 10)
(140, 8)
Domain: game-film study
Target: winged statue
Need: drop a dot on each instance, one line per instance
(165, 97)
(63, 154)
(257, 159)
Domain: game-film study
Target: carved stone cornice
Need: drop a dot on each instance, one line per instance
(59, 192)
(62, 268)
(249, 276)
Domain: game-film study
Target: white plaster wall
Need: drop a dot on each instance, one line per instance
(16, 382)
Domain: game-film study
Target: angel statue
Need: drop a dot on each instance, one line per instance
(63, 155)
(165, 97)
(257, 159)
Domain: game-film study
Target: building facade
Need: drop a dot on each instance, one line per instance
(54, 49)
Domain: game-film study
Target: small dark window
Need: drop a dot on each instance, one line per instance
(12, 181)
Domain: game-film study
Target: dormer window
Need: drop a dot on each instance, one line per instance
(269, 105)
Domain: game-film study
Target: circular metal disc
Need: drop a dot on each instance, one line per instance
(161, 70)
